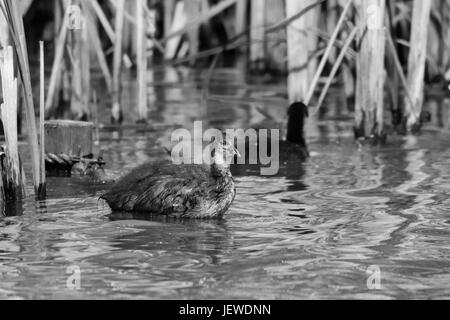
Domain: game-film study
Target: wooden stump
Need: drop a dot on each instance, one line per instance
(72, 138)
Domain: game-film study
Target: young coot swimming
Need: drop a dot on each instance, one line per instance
(295, 139)
(294, 147)
(183, 191)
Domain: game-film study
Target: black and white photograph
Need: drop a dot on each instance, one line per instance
(244, 151)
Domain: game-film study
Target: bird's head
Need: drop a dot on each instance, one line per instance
(224, 152)
(297, 114)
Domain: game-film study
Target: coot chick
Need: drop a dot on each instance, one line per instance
(295, 139)
(294, 147)
(182, 191)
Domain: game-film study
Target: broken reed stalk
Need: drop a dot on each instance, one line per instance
(14, 186)
(193, 10)
(240, 40)
(369, 120)
(85, 61)
(275, 50)
(179, 23)
(417, 59)
(96, 43)
(257, 35)
(335, 69)
(117, 63)
(168, 14)
(103, 19)
(204, 17)
(327, 53)
(55, 76)
(313, 21)
(13, 15)
(58, 18)
(2, 190)
(398, 67)
(142, 61)
(77, 46)
(241, 16)
(298, 57)
(95, 118)
(42, 192)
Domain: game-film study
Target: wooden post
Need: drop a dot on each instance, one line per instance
(370, 70)
(417, 60)
(257, 36)
(117, 115)
(72, 138)
(298, 78)
(14, 185)
(142, 61)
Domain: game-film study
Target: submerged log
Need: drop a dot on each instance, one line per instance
(370, 71)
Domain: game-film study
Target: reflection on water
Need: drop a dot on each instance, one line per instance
(309, 232)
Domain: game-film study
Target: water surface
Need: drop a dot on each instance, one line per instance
(309, 233)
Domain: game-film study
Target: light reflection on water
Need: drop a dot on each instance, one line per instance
(310, 232)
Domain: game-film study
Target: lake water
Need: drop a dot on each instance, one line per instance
(311, 232)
